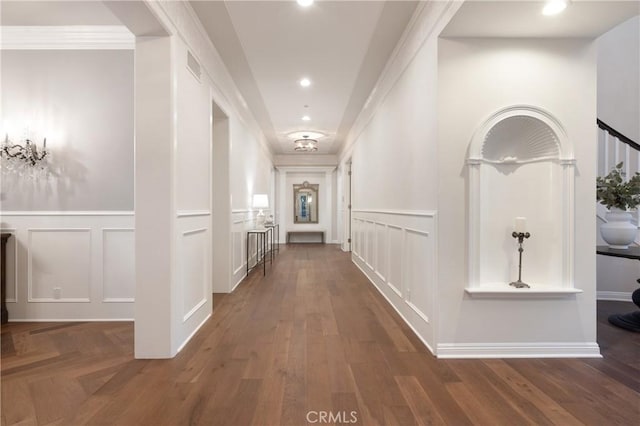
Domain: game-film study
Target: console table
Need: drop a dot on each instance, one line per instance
(262, 242)
(275, 238)
(319, 233)
(630, 321)
(3, 277)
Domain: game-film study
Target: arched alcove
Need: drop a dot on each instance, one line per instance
(521, 165)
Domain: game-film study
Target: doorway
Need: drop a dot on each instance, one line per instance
(220, 202)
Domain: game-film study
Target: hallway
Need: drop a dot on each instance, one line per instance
(312, 336)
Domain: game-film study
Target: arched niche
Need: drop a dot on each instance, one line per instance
(521, 164)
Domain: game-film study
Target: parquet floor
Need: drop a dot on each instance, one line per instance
(312, 336)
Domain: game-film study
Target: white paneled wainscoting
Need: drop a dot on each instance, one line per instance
(396, 250)
(70, 266)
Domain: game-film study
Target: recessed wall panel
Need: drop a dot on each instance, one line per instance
(59, 265)
(193, 269)
(381, 250)
(118, 273)
(395, 259)
(419, 273)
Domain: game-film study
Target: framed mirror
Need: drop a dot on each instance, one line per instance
(305, 203)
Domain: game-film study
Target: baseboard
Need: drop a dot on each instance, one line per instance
(71, 320)
(193, 333)
(519, 350)
(394, 307)
(615, 296)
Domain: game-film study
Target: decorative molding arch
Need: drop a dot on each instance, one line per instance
(541, 131)
(515, 136)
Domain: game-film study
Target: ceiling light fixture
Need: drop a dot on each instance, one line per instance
(554, 7)
(300, 134)
(305, 144)
(305, 82)
(306, 118)
(305, 3)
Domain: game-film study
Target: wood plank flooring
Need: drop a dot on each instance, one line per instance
(311, 343)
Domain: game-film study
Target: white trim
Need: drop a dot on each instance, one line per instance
(615, 296)
(306, 169)
(193, 333)
(519, 350)
(521, 293)
(118, 300)
(193, 310)
(111, 37)
(192, 213)
(68, 213)
(113, 299)
(30, 298)
(424, 342)
(422, 213)
(71, 320)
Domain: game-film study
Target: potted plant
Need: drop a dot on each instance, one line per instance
(618, 196)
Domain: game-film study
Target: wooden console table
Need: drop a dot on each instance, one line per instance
(630, 321)
(3, 277)
(320, 233)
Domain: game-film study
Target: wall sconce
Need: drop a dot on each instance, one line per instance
(260, 201)
(23, 159)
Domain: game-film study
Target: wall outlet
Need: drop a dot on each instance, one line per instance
(57, 292)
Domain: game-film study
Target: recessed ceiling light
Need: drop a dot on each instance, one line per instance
(305, 82)
(306, 118)
(554, 7)
(305, 3)
(305, 134)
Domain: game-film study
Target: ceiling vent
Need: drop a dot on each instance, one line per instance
(193, 65)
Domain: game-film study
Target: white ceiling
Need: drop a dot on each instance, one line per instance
(58, 13)
(582, 18)
(341, 46)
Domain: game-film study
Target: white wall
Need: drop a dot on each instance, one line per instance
(82, 102)
(71, 255)
(324, 177)
(393, 150)
(619, 78)
(179, 209)
(477, 77)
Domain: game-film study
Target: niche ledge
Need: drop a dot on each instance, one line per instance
(520, 293)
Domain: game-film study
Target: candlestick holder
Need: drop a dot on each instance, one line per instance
(521, 237)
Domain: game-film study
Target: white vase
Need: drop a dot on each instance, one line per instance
(618, 232)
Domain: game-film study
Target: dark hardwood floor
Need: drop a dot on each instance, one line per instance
(312, 342)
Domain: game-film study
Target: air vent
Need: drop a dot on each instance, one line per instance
(193, 65)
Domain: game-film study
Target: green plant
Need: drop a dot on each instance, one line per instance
(613, 191)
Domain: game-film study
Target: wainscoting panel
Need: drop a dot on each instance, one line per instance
(242, 221)
(118, 265)
(193, 270)
(397, 252)
(70, 266)
(381, 251)
(59, 265)
(394, 259)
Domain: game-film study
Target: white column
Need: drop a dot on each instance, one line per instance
(154, 198)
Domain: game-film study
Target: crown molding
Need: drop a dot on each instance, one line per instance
(66, 38)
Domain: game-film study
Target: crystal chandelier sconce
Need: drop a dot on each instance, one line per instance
(305, 144)
(24, 159)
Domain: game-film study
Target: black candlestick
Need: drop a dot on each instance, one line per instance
(521, 237)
